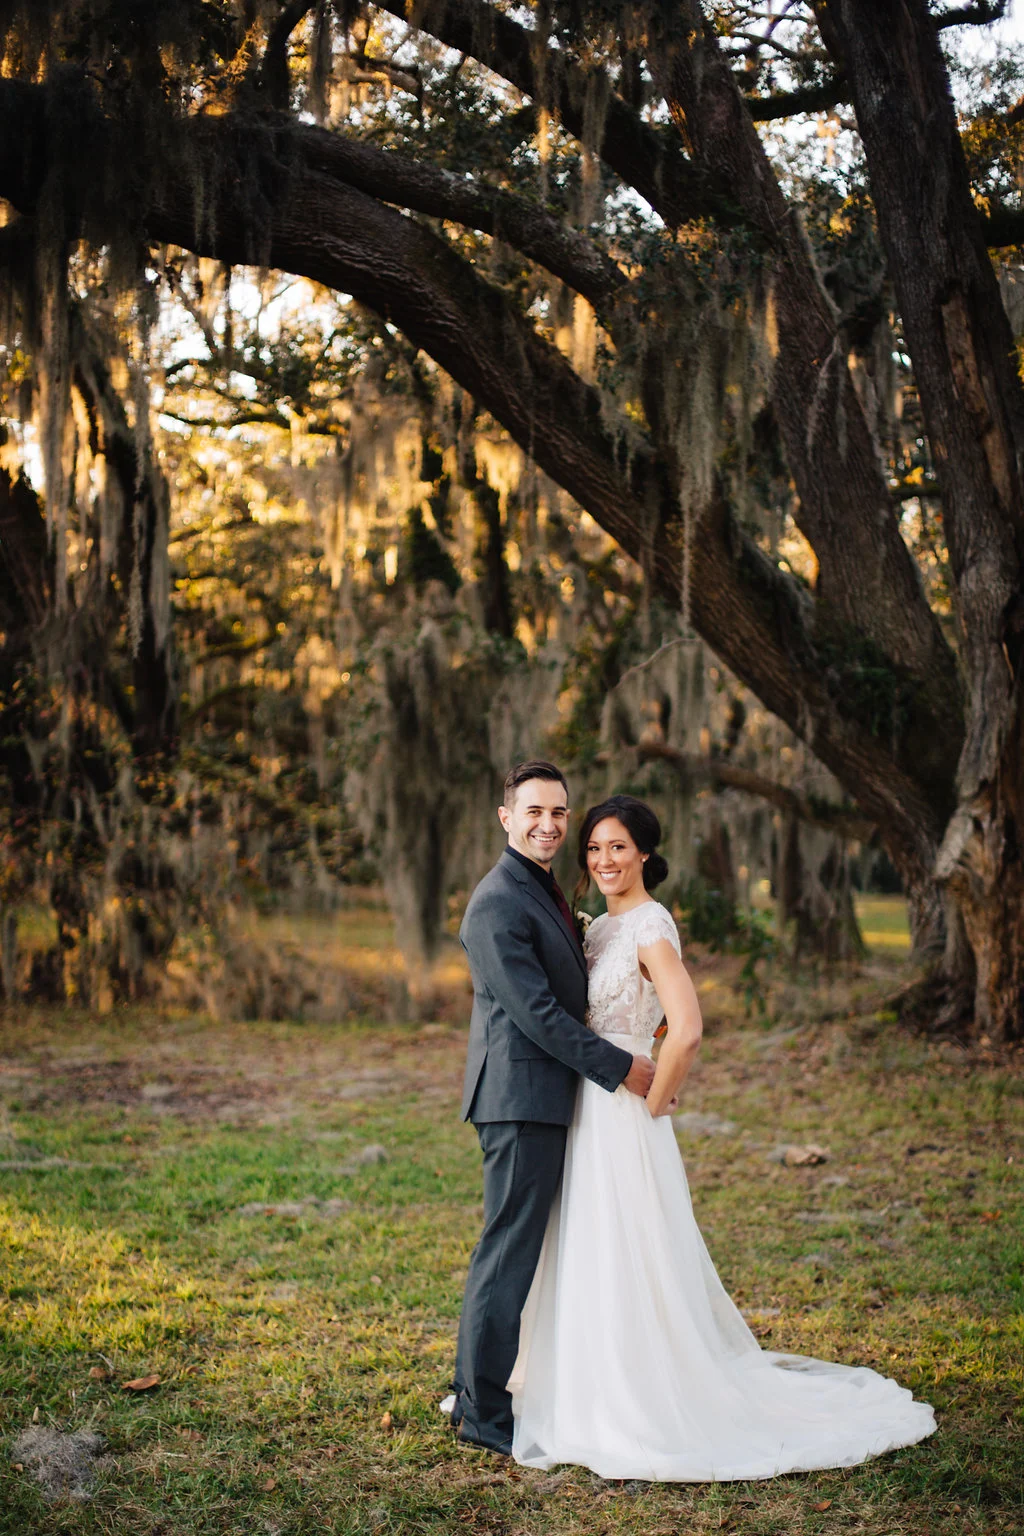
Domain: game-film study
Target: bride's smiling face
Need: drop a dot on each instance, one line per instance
(614, 860)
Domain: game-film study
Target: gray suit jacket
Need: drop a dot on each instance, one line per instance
(528, 1044)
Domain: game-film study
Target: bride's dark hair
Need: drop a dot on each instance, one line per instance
(641, 824)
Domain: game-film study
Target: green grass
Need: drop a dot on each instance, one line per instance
(883, 922)
(282, 1342)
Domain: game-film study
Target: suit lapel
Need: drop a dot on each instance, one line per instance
(536, 890)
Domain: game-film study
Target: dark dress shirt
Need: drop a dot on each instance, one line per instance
(545, 878)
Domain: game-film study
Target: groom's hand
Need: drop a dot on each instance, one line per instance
(640, 1076)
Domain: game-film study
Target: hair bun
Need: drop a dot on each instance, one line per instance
(655, 871)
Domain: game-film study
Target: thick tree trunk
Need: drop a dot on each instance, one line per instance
(972, 398)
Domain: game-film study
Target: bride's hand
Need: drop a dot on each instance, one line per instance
(670, 1107)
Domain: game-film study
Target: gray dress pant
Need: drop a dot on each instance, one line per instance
(522, 1169)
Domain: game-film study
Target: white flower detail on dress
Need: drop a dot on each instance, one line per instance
(621, 999)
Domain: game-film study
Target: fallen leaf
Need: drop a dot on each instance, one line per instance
(270, 1485)
(19, 1466)
(991, 1216)
(140, 1384)
(821, 1508)
(385, 1422)
(35, 1415)
(98, 1373)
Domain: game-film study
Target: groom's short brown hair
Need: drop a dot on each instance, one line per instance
(535, 768)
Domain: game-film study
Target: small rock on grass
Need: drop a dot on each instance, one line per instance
(63, 1465)
(791, 1155)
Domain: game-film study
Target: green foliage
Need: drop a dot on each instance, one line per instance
(710, 917)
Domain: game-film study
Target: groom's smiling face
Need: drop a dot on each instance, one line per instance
(537, 820)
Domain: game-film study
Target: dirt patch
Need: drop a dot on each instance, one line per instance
(64, 1466)
(254, 1086)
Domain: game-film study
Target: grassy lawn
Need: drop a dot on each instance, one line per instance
(883, 922)
(187, 1199)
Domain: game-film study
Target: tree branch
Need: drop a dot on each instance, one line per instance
(648, 159)
(359, 68)
(981, 14)
(722, 774)
(528, 226)
(236, 648)
(252, 418)
(274, 70)
(912, 490)
(813, 98)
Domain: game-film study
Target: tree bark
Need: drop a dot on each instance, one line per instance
(972, 400)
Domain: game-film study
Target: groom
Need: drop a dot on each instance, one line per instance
(528, 1047)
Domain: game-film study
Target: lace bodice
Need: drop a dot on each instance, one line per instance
(621, 999)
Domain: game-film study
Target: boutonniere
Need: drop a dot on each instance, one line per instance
(583, 922)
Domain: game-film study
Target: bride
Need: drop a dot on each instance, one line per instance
(632, 1360)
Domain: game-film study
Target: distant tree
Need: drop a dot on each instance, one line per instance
(571, 210)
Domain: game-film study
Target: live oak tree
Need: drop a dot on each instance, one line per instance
(571, 210)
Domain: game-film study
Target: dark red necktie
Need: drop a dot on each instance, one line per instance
(563, 907)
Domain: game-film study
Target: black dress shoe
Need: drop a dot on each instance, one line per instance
(487, 1439)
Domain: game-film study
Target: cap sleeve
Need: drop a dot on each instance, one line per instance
(654, 922)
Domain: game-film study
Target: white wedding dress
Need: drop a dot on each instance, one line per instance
(632, 1359)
